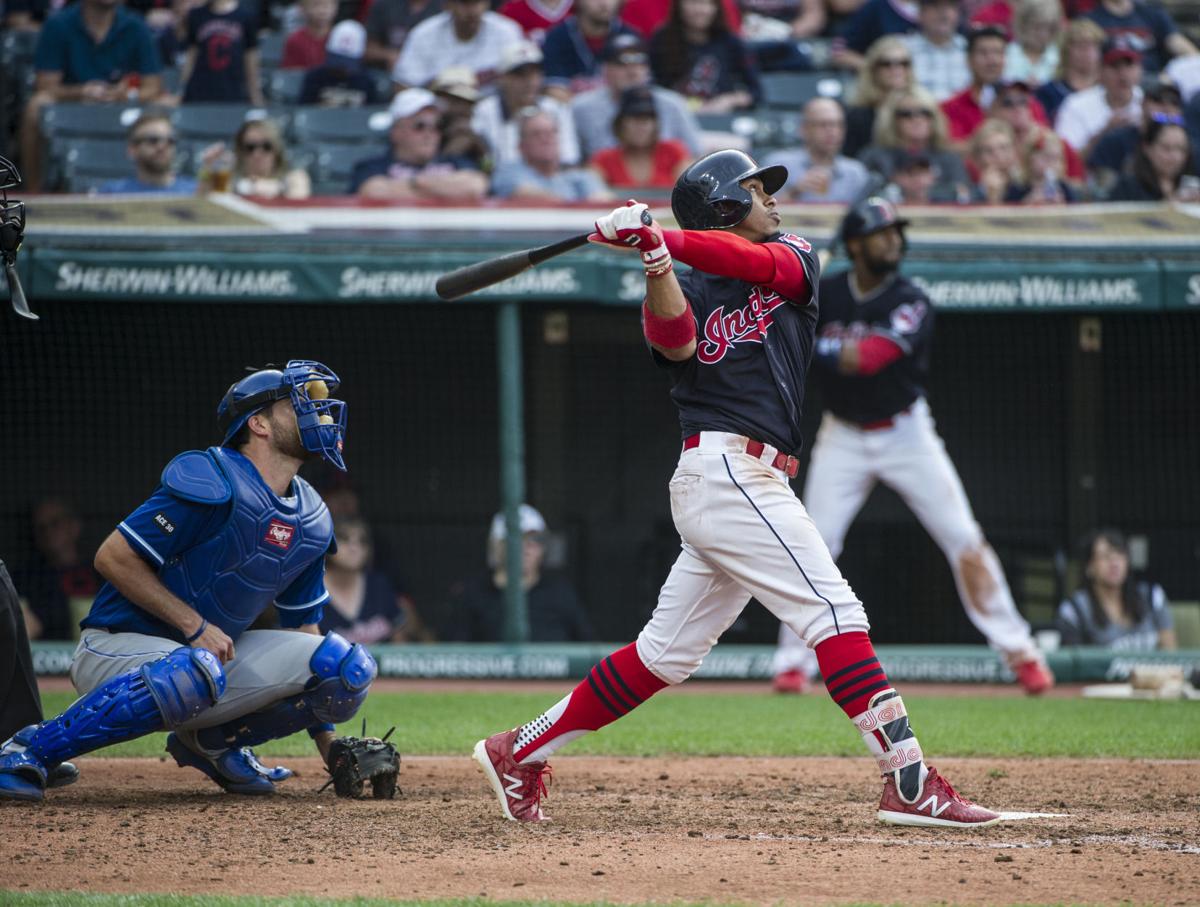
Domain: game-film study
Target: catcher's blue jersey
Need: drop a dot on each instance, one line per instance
(225, 543)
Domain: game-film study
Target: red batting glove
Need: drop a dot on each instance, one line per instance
(630, 225)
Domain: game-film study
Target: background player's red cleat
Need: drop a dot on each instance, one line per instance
(793, 681)
(1034, 676)
(519, 788)
(938, 805)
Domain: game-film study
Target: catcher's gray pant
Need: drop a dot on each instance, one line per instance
(269, 665)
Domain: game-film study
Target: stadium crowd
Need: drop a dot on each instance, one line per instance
(948, 101)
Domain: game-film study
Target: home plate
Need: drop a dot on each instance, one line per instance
(1012, 817)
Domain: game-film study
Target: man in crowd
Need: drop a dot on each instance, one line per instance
(1115, 103)
(151, 147)
(575, 47)
(817, 171)
(1148, 27)
(413, 169)
(520, 87)
(341, 81)
(388, 24)
(1115, 149)
(466, 34)
(967, 110)
(938, 51)
(538, 174)
(626, 64)
(93, 51)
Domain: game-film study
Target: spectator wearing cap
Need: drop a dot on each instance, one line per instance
(222, 57)
(388, 24)
(457, 93)
(1114, 151)
(626, 65)
(1149, 29)
(939, 52)
(575, 47)
(538, 172)
(536, 17)
(520, 86)
(873, 20)
(911, 126)
(1033, 54)
(697, 55)
(911, 180)
(817, 171)
(1014, 105)
(1086, 116)
(466, 34)
(966, 110)
(305, 47)
(1078, 64)
(476, 612)
(341, 80)
(413, 170)
(640, 158)
(151, 147)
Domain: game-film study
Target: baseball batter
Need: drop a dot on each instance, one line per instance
(874, 336)
(735, 335)
(227, 532)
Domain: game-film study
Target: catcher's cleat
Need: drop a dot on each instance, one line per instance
(23, 776)
(518, 787)
(236, 770)
(1034, 676)
(936, 805)
(62, 774)
(793, 681)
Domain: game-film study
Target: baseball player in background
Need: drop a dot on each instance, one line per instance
(227, 532)
(735, 335)
(874, 335)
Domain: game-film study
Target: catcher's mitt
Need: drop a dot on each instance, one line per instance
(355, 760)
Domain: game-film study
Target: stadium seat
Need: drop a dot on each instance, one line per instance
(792, 90)
(16, 49)
(270, 50)
(775, 129)
(171, 80)
(215, 122)
(88, 163)
(88, 120)
(334, 163)
(1186, 617)
(346, 125)
(283, 85)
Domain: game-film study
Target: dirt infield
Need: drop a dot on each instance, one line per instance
(750, 830)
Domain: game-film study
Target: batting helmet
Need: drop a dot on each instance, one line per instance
(709, 196)
(321, 419)
(870, 216)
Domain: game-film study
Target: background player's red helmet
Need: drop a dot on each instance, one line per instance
(709, 196)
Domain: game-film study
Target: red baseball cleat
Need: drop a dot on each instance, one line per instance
(1034, 676)
(792, 681)
(936, 805)
(519, 788)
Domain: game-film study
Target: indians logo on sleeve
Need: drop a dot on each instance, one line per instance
(279, 534)
(748, 324)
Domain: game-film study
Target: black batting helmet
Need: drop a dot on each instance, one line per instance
(709, 194)
(870, 216)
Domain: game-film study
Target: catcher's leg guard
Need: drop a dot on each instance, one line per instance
(884, 726)
(162, 694)
(342, 674)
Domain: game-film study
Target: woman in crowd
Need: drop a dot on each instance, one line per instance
(993, 150)
(257, 167)
(1160, 165)
(697, 55)
(640, 158)
(1078, 64)
(1109, 608)
(910, 124)
(1033, 55)
(1045, 166)
(363, 605)
(886, 68)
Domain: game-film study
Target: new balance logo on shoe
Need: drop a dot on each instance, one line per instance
(513, 787)
(936, 809)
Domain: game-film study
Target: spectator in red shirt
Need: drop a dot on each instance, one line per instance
(640, 158)
(535, 16)
(967, 110)
(1014, 105)
(305, 47)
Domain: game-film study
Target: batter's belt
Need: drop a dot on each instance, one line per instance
(772, 456)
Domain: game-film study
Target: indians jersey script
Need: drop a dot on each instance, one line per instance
(896, 310)
(752, 352)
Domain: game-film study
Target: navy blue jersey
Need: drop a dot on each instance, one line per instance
(753, 347)
(897, 310)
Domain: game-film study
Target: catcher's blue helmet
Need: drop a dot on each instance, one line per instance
(322, 420)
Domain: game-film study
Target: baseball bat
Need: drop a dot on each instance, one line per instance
(482, 274)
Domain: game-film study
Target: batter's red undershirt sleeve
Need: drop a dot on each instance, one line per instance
(875, 353)
(719, 252)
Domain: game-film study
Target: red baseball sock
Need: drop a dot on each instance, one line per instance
(614, 687)
(851, 672)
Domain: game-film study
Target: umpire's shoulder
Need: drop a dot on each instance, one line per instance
(195, 476)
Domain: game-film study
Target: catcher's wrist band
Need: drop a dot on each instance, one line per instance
(199, 631)
(668, 333)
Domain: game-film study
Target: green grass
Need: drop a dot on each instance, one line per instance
(769, 725)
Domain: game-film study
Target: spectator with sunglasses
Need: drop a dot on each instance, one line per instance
(939, 52)
(1161, 168)
(260, 167)
(966, 111)
(887, 67)
(910, 130)
(151, 147)
(1113, 154)
(413, 169)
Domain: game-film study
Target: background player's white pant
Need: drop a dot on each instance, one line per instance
(910, 458)
(269, 665)
(744, 533)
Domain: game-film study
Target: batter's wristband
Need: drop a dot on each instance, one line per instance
(319, 729)
(668, 333)
(199, 632)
